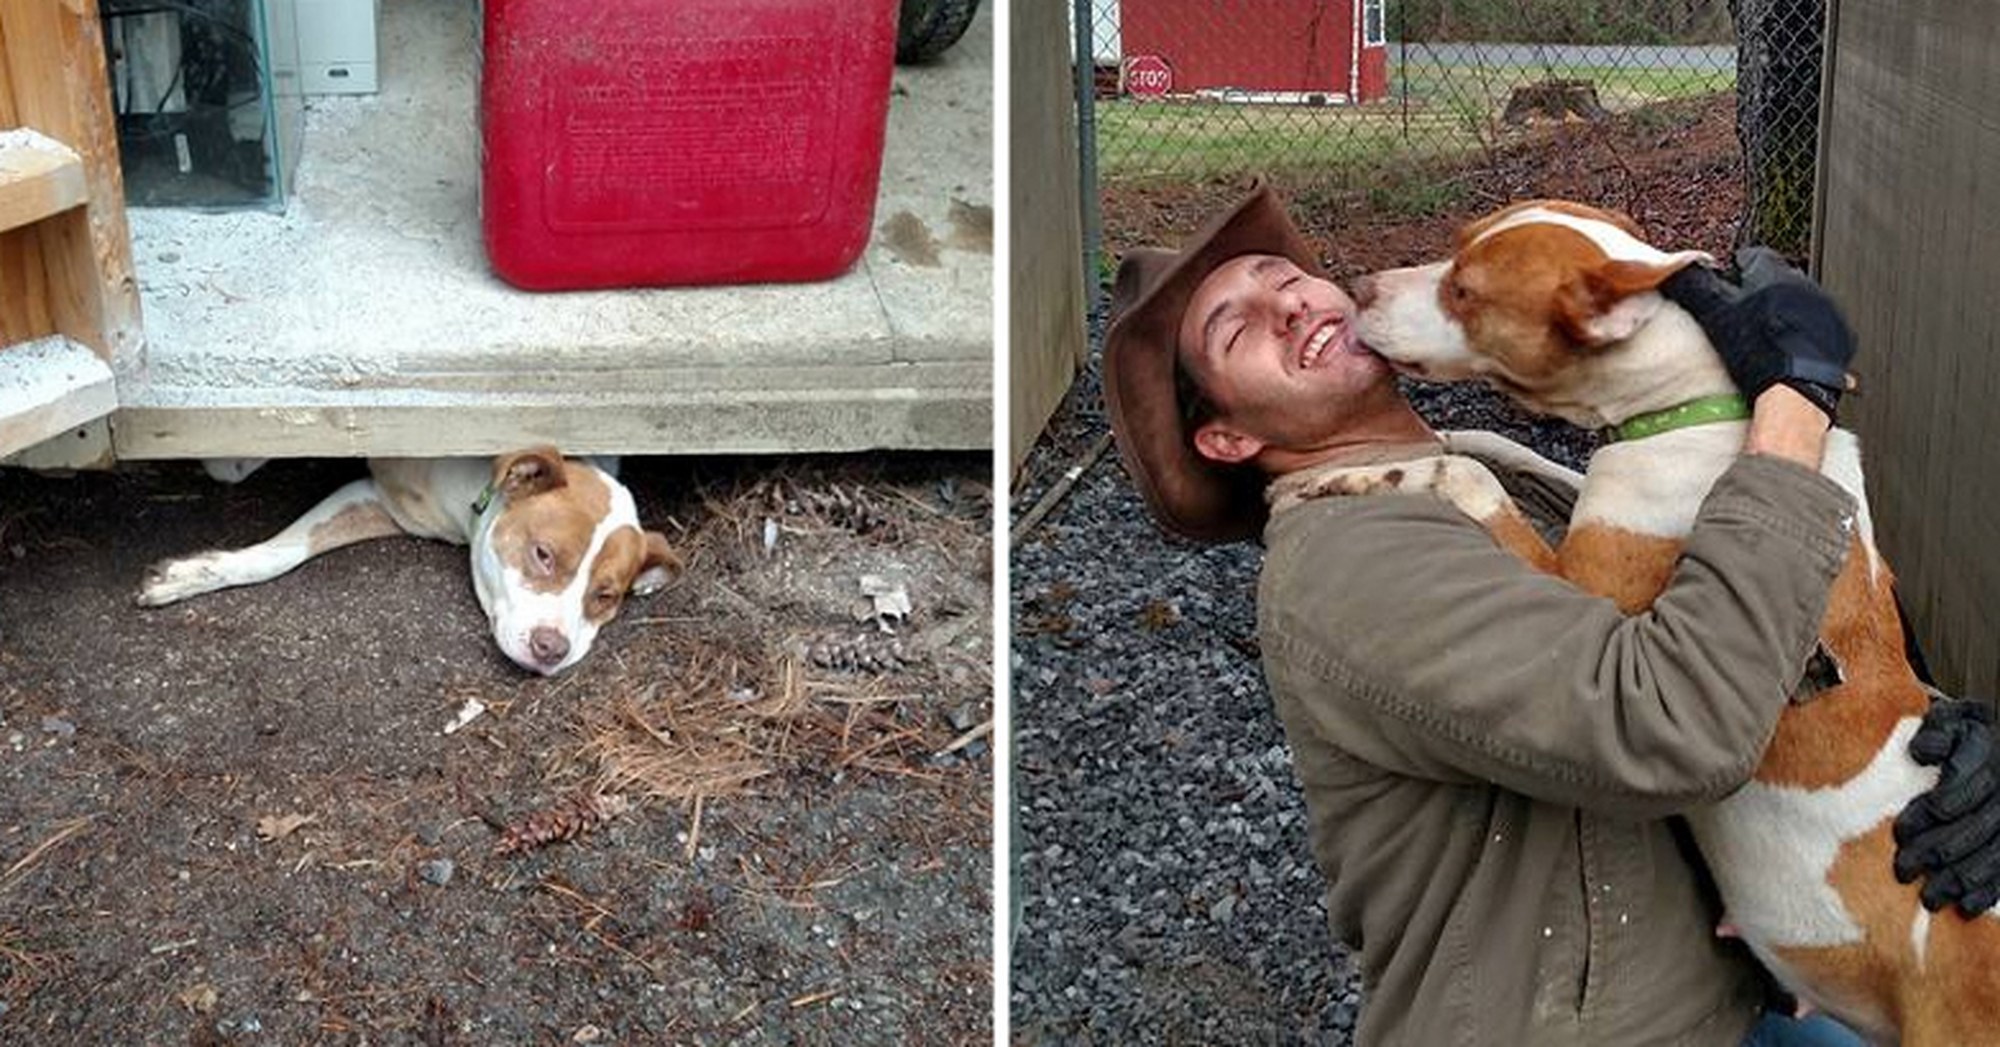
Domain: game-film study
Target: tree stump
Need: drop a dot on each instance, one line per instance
(1554, 100)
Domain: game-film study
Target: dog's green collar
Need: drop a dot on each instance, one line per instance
(485, 499)
(1723, 407)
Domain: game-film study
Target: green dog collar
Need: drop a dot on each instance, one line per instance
(1724, 407)
(485, 499)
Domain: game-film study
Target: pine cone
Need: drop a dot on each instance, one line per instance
(852, 511)
(863, 654)
(564, 820)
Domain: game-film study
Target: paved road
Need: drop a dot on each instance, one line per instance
(1621, 56)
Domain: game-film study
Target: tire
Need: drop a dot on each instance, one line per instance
(927, 28)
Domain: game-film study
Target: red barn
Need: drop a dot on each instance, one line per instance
(1283, 50)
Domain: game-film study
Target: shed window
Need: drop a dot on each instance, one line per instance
(1371, 22)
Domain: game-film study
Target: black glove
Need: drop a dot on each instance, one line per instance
(1778, 327)
(1951, 834)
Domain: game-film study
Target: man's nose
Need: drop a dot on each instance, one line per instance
(548, 645)
(1364, 292)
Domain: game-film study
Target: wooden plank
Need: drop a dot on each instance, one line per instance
(940, 407)
(48, 386)
(1045, 291)
(24, 291)
(39, 177)
(9, 116)
(88, 446)
(1908, 214)
(32, 34)
(54, 55)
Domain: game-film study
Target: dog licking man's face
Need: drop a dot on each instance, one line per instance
(556, 553)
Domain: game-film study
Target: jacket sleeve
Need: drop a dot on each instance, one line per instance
(1397, 631)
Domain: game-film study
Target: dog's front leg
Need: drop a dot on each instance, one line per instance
(352, 514)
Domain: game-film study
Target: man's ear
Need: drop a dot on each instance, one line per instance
(1607, 304)
(657, 567)
(532, 471)
(1220, 443)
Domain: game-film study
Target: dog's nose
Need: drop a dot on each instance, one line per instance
(548, 645)
(1364, 292)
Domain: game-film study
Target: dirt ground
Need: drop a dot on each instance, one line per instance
(239, 819)
(1673, 167)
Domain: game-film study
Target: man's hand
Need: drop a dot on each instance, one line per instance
(1951, 834)
(1777, 328)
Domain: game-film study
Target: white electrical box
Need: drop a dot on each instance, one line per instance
(337, 50)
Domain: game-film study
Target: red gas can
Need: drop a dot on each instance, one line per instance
(639, 142)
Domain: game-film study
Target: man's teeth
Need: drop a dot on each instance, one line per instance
(1317, 345)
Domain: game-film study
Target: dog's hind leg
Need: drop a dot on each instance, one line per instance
(352, 514)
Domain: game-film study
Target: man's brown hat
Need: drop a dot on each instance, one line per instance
(1190, 495)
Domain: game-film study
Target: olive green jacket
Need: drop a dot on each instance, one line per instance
(1490, 756)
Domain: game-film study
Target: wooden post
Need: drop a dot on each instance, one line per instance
(53, 79)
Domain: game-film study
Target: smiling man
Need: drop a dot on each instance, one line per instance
(1275, 343)
(1492, 759)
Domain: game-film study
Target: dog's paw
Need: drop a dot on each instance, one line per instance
(171, 581)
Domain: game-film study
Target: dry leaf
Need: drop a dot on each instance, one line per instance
(1158, 615)
(466, 714)
(279, 826)
(888, 599)
(198, 999)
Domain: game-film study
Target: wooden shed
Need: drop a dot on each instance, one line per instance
(1908, 216)
(1306, 51)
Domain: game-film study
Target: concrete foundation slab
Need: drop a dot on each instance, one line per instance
(364, 319)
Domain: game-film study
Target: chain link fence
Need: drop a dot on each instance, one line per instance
(1347, 91)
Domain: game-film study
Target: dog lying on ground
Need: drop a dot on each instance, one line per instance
(1554, 304)
(556, 544)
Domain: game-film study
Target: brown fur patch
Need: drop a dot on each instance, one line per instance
(1507, 291)
(562, 520)
(1528, 297)
(1473, 230)
(1829, 739)
(1516, 535)
(1629, 568)
(611, 576)
(356, 523)
(1947, 1000)
(1819, 743)
(531, 471)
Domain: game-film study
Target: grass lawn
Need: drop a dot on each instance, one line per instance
(1445, 111)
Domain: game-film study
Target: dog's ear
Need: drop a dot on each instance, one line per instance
(657, 566)
(527, 472)
(1604, 304)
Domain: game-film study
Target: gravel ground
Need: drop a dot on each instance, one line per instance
(1167, 890)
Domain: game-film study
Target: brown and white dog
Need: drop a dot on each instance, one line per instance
(1555, 305)
(556, 544)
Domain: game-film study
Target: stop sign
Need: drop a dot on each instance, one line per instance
(1148, 76)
